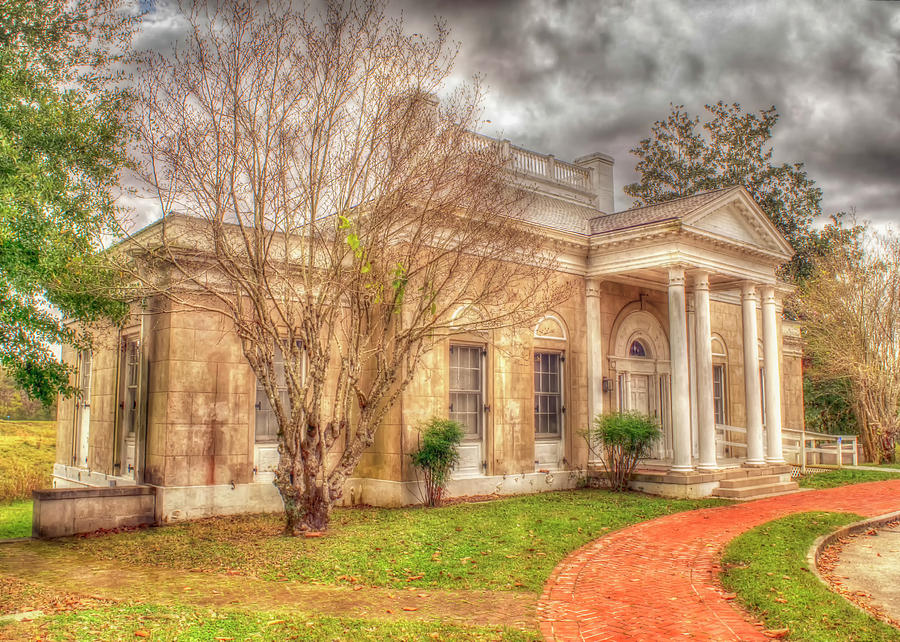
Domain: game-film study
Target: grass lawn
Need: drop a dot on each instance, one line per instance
(27, 452)
(15, 519)
(767, 569)
(843, 477)
(507, 544)
(182, 623)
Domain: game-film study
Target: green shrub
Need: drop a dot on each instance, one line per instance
(621, 440)
(436, 456)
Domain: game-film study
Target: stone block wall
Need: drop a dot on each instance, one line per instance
(201, 400)
(509, 444)
(59, 512)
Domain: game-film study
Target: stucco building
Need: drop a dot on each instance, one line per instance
(677, 314)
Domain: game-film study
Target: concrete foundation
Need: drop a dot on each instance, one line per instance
(59, 512)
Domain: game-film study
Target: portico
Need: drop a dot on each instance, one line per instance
(678, 252)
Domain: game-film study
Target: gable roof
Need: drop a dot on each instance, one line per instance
(675, 209)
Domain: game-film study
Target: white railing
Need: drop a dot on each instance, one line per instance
(546, 166)
(807, 448)
(801, 447)
(729, 439)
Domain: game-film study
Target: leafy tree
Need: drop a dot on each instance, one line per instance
(61, 144)
(851, 324)
(16, 405)
(682, 157)
(827, 404)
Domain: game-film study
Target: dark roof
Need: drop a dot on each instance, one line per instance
(559, 214)
(675, 209)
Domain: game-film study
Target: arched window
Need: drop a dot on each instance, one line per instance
(637, 349)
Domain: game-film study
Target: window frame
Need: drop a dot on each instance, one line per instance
(719, 400)
(559, 395)
(480, 394)
(263, 407)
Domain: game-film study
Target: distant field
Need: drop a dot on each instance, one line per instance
(26, 457)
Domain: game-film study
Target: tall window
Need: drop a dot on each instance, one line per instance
(132, 377)
(719, 392)
(548, 401)
(720, 370)
(467, 388)
(266, 420)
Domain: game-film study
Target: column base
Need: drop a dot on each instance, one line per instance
(681, 469)
(779, 460)
(708, 468)
(754, 463)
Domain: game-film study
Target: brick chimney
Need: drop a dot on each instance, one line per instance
(601, 179)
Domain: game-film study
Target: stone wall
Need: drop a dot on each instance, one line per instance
(201, 397)
(59, 512)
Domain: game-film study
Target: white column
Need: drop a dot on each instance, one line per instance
(594, 349)
(706, 416)
(681, 385)
(773, 375)
(692, 367)
(752, 398)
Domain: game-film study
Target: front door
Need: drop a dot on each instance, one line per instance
(640, 394)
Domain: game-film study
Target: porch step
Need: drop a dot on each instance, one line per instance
(754, 492)
(760, 471)
(744, 482)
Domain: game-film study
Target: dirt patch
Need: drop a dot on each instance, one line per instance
(153, 585)
(860, 567)
(18, 596)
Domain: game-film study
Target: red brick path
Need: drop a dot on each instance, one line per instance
(658, 580)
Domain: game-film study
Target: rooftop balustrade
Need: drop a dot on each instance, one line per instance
(543, 166)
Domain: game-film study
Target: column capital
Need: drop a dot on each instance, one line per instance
(768, 295)
(748, 290)
(592, 287)
(676, 275)
(701, 280)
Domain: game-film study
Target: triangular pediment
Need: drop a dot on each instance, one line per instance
(738, 219)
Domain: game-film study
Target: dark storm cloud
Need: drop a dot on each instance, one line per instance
(571, 77)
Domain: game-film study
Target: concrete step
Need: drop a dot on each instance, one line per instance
(743, 482)
(761, 471)
(753, 492)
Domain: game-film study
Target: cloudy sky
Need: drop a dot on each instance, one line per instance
(570, 77)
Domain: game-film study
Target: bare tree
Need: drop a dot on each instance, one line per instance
(335, 212)
(851, 309)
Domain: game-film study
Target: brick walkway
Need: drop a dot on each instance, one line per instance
(658, 580)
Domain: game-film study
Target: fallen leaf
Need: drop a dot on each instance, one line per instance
(410, 608)
(141, 633)
(777, 633)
